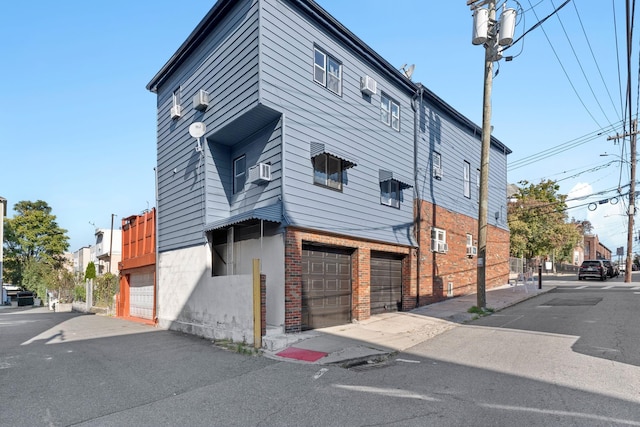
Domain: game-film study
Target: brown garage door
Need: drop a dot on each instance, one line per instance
(386, 283)
(326, 287)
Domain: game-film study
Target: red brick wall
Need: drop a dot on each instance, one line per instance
(360, 271)
(438, 270)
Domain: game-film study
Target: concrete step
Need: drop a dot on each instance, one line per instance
(281, 341)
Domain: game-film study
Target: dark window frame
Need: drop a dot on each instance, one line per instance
(392, 194)
(326, 166)
(239, 175)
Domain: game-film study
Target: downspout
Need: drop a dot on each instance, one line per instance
(157, 254)
(417, 200)
(283, 163)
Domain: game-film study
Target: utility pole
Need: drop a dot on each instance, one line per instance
(111, 242)
(632, 196)
(489, 54)
(493, 35)
(3, 213)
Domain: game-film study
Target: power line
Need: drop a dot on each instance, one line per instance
(593, 56)
(576, 142)
(562, 65)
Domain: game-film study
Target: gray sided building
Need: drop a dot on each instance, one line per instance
(355, 187)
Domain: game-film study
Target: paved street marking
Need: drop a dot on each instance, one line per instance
(391, 392)
(544, 411)
(635, 288)
(320, 373)
(608, 287)
(582, 287)
(408, 361)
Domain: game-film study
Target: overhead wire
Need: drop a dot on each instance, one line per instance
(615, 33)
(564, 70)
(576, 142)
(593, 56)
(584, 74)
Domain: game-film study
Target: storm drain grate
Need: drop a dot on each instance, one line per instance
(573, 301)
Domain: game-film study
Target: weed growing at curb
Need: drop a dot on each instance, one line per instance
(240, 348)
(479, 312)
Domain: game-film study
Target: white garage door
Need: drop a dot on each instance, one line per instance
(141, 295)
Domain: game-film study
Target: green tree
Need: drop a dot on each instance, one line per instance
(106, 286)
(38, 277)
(538, 222)
(91, 271)
(33, 235)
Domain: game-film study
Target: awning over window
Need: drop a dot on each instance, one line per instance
(385, 175)
(272, 213)
(317, 148)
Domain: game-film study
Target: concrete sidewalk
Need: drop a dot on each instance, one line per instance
(382, 335)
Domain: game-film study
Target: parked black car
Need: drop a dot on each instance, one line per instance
(592, 268)
(612, 269)
(25, 298)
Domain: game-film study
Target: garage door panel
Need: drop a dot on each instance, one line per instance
(326, 287)
(141, 295)
(386, 283)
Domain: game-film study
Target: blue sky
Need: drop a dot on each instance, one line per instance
(77, 126)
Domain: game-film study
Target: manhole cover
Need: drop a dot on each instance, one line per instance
(573, 301)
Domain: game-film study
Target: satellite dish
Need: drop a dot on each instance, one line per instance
(408, 72)
(197, 129)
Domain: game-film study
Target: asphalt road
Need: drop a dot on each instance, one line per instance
(536, 364)
(568, 357)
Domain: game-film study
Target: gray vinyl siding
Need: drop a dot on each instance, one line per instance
(261, 147)
(457, 144)
(225, 64)
(349, 123)
(255, 58)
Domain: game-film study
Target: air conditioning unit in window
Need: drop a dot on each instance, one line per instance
(260, 173)
(201, 100)
(368, 85)
(437, 172)
(472, 251)
(176, 112)
(440, 247)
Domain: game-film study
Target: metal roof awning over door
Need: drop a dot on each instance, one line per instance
(272, 213)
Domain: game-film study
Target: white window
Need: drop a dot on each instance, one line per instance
(176, 98)
(471, 249)
(327, 71)
(439, 234)
(389, 111)
(436, 165)
(239, 173)
(176, 108)
(390, 193)
(467, 180)
(478, 185)
(327, 171)
(439, 240)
